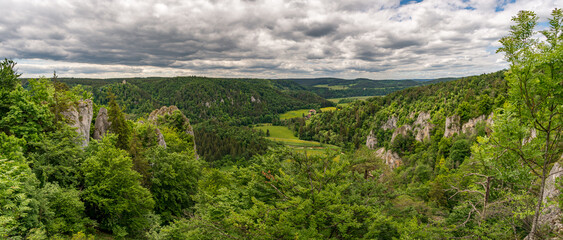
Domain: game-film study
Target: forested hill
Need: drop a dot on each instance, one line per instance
(468, 97)
(342, 88)
(238, 101)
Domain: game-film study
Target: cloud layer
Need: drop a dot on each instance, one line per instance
(258, 38)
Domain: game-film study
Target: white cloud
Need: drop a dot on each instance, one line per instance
(258, 38)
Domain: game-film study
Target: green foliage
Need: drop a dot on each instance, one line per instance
(112, 191)
(459, 151)
(61, 210)
(56, 157)
(174, 180)
(222, 144)
(342, 88)
(8, 76)
(352, 124)
(18, 209)
(463, 111)
(119, 125)
(403, 144)
(535, 97)
(22, 117)
(200, 99)
(286, 196)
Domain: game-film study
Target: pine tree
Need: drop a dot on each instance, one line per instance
(118, 125)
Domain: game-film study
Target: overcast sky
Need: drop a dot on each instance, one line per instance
(259, 38)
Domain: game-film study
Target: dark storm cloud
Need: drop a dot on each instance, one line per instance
(319, 30)
(262, 38)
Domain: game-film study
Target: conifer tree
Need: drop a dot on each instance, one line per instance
(118, 125)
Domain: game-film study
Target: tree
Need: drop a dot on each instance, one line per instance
(118, 125)
(18, 213)
(174, 180)
(8, 76)
(535, 96)
(113, 193)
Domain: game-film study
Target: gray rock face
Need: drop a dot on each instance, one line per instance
(403, 130)
(371, 140)
(80, 117)
(452, 126)
(469, 126)
(391, 158)
(390, 124)
(551, 213)
(533, 134)
(101, 127)
(161, 141)
(153, 118)
(422, 127)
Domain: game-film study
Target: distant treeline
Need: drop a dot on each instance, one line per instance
(342, 88)
(236, 101)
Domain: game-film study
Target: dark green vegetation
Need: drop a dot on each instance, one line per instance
(473, 178)
(343, 88)
(468, 97)
(235, 101)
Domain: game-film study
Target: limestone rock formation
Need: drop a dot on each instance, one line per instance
(161, 141)
(452, 126)
(102, 124)
(469, 126)
(403, 130)
(390, 124)
(422, 118)
(80, 117)
(422, 127)
(371, 140)
(533, 134)
(551, 213)
(423, 133)
(153, 118)
(391, 158)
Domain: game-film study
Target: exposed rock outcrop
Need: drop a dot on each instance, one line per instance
(403, 130)
(371, 140)
(422, 118)
(551, 213)
(390, 124)
(470, 126)
(161, 141)
(391, 158)
(101, 127)
(153, 118)
(422, 127)
(80, 117)
(452, 126)
(533, 134)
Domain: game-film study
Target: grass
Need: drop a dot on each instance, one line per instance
(328, 109)
(336, 100)
(333, 87)
(281, 132)
(285, 136)
(294, 114)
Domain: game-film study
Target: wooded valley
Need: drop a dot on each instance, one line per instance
(477, 157)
